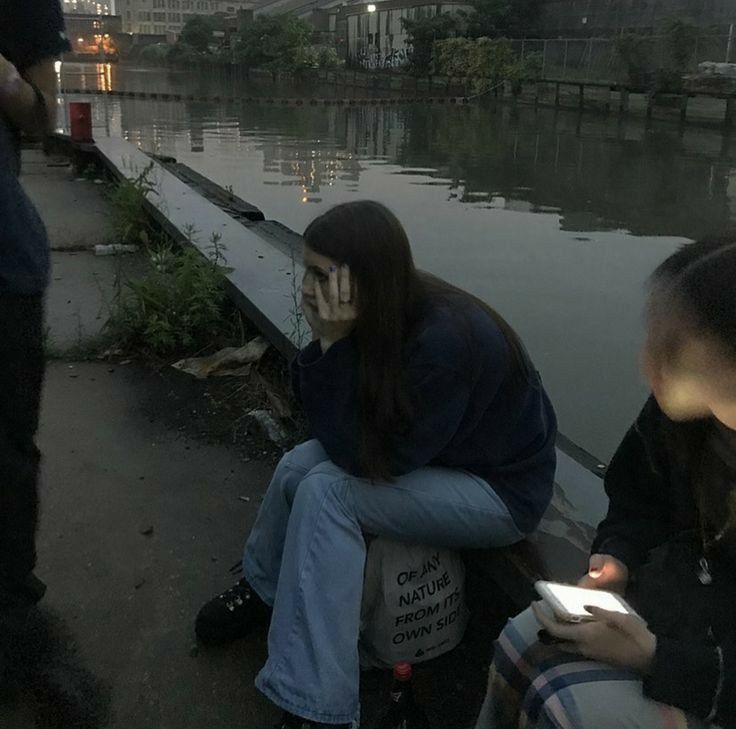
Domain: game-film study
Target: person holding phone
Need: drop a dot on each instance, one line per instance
(668, 541)
(430, 425)
(31, 38)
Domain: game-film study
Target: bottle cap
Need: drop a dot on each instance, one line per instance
(402, 671)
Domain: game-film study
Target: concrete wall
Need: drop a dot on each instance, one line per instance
(607, 17)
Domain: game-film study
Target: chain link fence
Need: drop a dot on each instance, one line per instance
(598, 59)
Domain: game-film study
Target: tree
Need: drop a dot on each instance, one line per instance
(197, 33)
(509, 18)
(275, 41)
(422, 33)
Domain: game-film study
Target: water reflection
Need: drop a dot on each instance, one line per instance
(555, 218)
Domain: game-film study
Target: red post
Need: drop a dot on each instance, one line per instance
(80, 121)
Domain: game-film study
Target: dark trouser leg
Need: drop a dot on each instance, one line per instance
(21, 380)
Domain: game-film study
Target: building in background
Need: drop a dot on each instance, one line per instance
(167, 17)
(375, 35)
(321, 14)
(89, 7)
(93, 36)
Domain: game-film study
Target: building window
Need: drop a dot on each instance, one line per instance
(174, 17)
(159, 17)
(159, 4)
(174, 4)
(144, 16)
(160, 30)
(145, 29)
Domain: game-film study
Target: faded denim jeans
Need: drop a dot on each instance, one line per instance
(306, 555)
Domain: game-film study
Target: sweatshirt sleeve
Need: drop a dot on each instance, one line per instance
(439, 386)
(700, 679)
(639, 510)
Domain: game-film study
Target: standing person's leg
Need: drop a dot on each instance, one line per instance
(313, 666)
(21, 380)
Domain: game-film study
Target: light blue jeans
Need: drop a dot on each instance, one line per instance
(306, 554)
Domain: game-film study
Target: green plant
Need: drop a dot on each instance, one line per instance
(635, 51)
(327, 58)
(128, 197)
(177, 306)
(276, 42)
(532, 65)
(484, 58)
(422, 34)
(681, 38)
(197, 32)
(494, 18)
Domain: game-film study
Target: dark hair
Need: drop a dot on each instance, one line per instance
(694, 291)
(369, 238)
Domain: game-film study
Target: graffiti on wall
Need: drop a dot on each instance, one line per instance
(372, 58)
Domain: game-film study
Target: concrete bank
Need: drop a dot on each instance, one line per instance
(266, 267)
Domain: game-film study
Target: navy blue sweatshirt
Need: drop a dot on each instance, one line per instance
(467, 413)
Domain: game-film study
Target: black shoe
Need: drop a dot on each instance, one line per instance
(234, 614)
(18, 595)
(289, 721)
(26, 590)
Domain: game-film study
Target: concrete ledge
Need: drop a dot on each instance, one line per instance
(263, 276)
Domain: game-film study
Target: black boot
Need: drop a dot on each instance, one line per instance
(236, 613)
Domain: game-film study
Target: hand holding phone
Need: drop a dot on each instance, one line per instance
(605, 572)
(568, 602)
(610, 636)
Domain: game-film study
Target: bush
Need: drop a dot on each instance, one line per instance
(532, 65)
(156, 53)
(128, 197)
(276, 42)
(327, 58)
(484, 58)
(636, 53)
(422, 34)
(177, 306)
(184, 54)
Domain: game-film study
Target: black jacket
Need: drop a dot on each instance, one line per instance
(653, 526)
(466, 414)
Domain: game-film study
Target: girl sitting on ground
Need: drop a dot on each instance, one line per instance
(668, 541)
(430, 426)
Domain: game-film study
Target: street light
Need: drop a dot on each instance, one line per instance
(371, 8)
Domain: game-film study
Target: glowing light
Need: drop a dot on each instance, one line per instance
(371, 8)
(57, 67)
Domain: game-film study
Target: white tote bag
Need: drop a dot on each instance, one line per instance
(414, 605)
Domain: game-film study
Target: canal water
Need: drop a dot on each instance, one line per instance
(554, 218)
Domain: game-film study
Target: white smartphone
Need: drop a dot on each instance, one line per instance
(568, 602)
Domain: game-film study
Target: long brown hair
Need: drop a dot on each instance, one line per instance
(391, 295)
